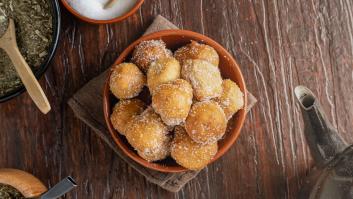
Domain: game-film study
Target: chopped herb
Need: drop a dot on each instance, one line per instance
(34, 30)
(8, 192)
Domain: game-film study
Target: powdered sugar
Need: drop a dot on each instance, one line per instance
(195, 50)
(149, 136)
(191, 154)
(205, 78)
(172, 101)
(149, 51)
(232, 99)
(94, 9)
(162, 71)
(126, 81)
(206, 122)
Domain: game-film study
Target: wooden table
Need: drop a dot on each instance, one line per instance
(278, 43)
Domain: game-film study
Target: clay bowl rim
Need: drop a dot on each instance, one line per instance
(109, 21)
(233, 133)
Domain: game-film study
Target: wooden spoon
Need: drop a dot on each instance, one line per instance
(28, 185)
(110, 4)
(9, 44)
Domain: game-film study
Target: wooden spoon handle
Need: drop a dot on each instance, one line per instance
(109, 4)
(28, 79)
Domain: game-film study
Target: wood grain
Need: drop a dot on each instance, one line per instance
(278, 44)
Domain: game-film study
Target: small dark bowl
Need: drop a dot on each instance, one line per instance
(174, 40)
(41, 70)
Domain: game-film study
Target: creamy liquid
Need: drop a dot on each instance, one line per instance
(94, 9)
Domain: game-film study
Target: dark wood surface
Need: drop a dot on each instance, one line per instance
(278, 43)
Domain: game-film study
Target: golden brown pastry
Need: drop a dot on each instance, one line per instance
(190, 154)
(149, 51)
(205, 79)
(149, 136)
(232, 99)
(206, 122)
(162, 71)
(172, 101)
(126, 81)
(195, 50)
(123, 113)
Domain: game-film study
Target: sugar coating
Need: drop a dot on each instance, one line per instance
(206, 122)
(149, 136)
(204, 77)
(232, 99)
(149, 51)
(172, 104)
(123, 113)
(195, 50)
(94, 9)
(189, 153)
(126, 81)
(162, 71)
(156, 153)
(172, 101)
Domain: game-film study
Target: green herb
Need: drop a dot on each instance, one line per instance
(34, 30)
(8, 192)
(3, 23)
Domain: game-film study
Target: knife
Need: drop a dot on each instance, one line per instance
(60, 189)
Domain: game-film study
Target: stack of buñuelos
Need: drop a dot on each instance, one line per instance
(191, 103)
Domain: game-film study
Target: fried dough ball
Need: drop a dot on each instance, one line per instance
(206, 122)
(162, 71)
(159, 153)
(172, 101)
(149, 136)
(189, 153)
(195, 50)
(232, 99)
(205, 79)
(126, 81)
(123, 113)
(149, 51)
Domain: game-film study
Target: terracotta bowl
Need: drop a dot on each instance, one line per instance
(94, 21)
(175, 39)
